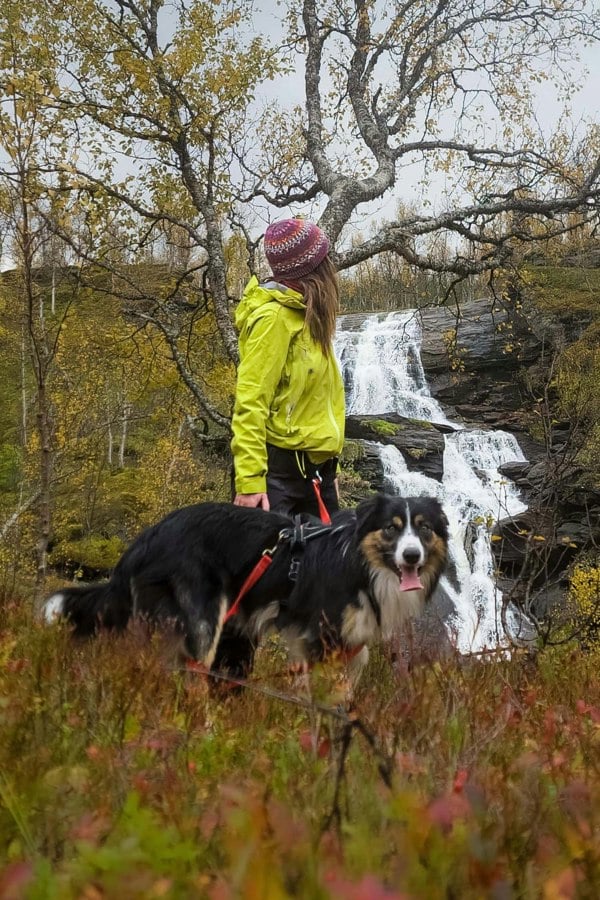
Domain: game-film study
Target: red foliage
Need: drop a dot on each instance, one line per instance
(453, 805)
(368, 888)
(15, 879)
(92, 828)
(321, 747)
(584, 709)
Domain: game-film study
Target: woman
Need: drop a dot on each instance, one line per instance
(288, 421)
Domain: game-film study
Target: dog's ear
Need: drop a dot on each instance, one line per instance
(368, 513)
(442, 525)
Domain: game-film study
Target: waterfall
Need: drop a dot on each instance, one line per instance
(382, 370)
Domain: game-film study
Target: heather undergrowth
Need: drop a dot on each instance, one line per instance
(122, 776)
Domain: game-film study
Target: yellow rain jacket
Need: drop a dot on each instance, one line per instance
(289, 393)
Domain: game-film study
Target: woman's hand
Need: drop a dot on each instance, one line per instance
(253, 500)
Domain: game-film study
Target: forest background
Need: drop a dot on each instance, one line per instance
(144, 146)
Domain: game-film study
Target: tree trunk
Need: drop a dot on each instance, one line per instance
(125, 423)
(45, 432)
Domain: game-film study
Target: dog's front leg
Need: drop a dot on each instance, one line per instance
(354, 670)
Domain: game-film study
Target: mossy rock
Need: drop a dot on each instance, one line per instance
(93, 553)
(381, 426)
(422, 424)
(353, 451)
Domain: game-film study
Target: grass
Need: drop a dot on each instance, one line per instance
(564, 290)
(120, 777)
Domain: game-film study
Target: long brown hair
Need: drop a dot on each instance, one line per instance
(321, 292)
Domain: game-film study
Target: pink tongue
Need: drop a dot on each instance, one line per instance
(409, 579)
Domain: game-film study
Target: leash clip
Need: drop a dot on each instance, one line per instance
(323, 513)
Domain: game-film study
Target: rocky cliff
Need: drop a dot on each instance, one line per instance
(484, 363)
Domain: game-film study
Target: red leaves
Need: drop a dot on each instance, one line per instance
(562, 886)
(444, 811)
(15, 879)
(453, 805)
(368, 888)
(460, 779)
(584, 709)
(320, 746)
(91, 828)
(17, 665)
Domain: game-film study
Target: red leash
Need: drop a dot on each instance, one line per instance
(259, 569)
(323, 514)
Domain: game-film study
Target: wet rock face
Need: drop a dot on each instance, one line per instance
(421, 443)
(477, 336)
(474, 356)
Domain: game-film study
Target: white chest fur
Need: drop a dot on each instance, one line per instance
(396, 607)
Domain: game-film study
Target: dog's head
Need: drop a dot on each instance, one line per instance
(408, 535)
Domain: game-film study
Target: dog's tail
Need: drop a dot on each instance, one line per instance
(89, 607)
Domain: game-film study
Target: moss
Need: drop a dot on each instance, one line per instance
(380, 426)
(353, 451)
(93, 553)
(422, 424)
(417, 452)
(564, 290)
(353, 488)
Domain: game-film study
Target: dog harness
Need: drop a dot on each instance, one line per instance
(297, 536)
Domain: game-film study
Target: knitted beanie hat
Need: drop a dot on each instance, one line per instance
(294, 247)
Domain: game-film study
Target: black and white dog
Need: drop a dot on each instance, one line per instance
(341, 587)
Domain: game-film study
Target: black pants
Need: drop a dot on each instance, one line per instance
(290, 482)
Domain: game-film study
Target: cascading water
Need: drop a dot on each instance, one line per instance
(382, 370)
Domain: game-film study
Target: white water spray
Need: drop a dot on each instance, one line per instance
(382, 366)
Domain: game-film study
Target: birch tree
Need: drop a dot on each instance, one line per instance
(164, 102)
(450, 88)
(29, 127)
(166, 86)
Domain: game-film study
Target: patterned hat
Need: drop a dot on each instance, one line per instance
(294, 247)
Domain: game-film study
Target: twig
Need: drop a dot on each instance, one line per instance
(351, 723)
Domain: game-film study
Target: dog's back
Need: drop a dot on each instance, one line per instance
(186, 569)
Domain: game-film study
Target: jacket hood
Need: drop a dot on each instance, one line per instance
(256, 295)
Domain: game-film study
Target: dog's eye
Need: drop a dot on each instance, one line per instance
(425, 530)
(389, 531)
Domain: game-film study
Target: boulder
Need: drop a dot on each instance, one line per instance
(421, 443)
